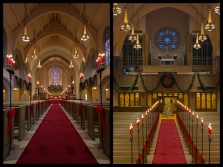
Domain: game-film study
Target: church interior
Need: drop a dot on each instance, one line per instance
(166, 83)
(152, 98)
(56, 67)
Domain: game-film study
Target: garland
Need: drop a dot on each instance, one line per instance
(162, 79)
(131, 87)
(21, 83)
(90, 82)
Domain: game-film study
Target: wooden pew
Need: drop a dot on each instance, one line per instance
(19, 121)
(6, 136)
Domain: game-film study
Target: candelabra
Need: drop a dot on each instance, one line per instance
(209, 140)
(131, 139)
(189, 132)
(192, 134)
(142, 140)
(146, 134)
(196, 139)
(30, 99)
(202, 131)
(11, 72)
(99, 71)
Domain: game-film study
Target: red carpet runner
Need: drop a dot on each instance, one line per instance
(56, 141)
(168, 147)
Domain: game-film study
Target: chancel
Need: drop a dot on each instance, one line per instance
(173, 79)
(48, 70)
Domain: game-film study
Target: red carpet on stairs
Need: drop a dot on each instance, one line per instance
(168, 147)
(56, 141)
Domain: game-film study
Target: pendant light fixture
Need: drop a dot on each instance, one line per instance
(132, 37)
(25, 36)
(202, 37)
(34, 56)
(39, 65)
(71, 65)
(125, 26)
(116, 9)
(197, 45)
(85, 37)
(76, 55)
(217, 9)
(137, 46)
(209, 26)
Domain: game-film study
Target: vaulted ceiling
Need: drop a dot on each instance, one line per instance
(52, 24)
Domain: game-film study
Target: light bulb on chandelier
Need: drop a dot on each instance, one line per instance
(116, 9)
(125, 26)
(209, 26)
(197, 45)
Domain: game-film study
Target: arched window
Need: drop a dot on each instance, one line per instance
(55, 76)
(131, 56)
(167, 39)
(107, 45)
(202, 56)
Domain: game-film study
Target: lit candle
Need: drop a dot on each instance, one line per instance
(197, 117)
(138, 122)
(29, 77)
(13, 64)
(10, 60)
(193, 114)
(202, 122)
(142, 118)
(209, 129)
(8, 57)
(146, 113)
(131, 129)
(189, 111)
(102, 58)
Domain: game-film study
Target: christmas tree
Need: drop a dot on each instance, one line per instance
(167, 111)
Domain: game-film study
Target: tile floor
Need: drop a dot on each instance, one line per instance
(19, 146)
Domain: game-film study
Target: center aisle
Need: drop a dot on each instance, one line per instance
(56, 141)
(168, 149)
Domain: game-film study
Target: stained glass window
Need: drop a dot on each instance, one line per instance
(55, 76)
(107, 45)
(167, 39)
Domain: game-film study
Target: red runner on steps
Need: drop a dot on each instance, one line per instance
(168, 147)
(56, 141)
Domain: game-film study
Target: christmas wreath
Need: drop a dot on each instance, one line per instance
(167, 80)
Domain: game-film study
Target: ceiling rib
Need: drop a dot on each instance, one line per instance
(93, 13)
(16, 14)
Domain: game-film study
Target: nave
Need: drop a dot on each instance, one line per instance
(57, 152)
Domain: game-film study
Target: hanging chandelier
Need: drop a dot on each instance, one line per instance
(197, 45)
(71, 65)
(217, 9)
(132, 37)
(116, 9)
(26, 60)
(85, 37)
(75, 53)
(39, 65)
(209, 26)
(34, 56)
(25, 36)
(202, 37)
(137, 46)
(125, 26)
